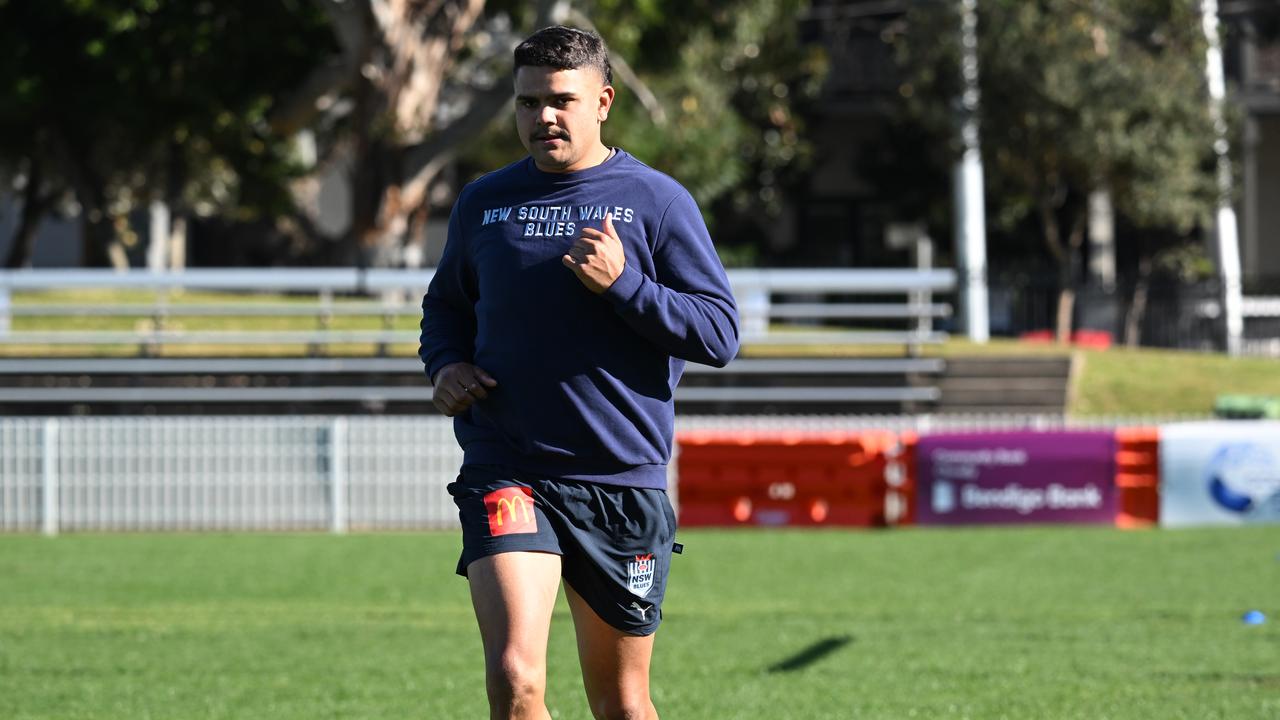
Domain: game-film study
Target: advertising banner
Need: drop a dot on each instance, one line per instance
(1220, 473)
(1016, 477)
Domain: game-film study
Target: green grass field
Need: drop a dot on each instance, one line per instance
(983, 623)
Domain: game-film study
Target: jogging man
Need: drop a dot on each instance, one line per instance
(574, 285)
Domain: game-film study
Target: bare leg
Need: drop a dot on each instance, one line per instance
(513, 595)
(615, 665)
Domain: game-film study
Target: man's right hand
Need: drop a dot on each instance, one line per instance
(457, 385)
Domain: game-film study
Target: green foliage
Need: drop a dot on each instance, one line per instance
(729, 76)
(135, 94)
(1077, 96)
(1187, 262)
(167, 98)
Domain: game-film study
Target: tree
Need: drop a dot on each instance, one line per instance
(238, 108)
(699, 84)
(412, 81)
(148, 99)
(1077, 96)
(708, 92)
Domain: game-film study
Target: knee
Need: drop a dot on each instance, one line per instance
(514, 681)
(635, 707)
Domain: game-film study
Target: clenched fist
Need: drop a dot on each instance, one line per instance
(459, 384)
(597, 257)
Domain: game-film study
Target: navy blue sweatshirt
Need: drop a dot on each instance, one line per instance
(585, 381)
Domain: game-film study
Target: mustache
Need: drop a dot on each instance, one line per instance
(554, 135)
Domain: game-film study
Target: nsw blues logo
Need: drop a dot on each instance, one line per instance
(640, 574)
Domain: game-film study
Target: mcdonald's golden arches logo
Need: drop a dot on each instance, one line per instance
(510, 510)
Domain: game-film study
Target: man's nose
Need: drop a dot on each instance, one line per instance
(547, 116)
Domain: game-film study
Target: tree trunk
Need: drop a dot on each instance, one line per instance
(1138, 306)
(1053, 242)
(176, 238)
(96, 233)
(416, 246)
(1066, 307)
(177, 242)
(400, 102)
(1068, 278)
(371, 182)
(1067, 257)
(397, 151)
(34, 207)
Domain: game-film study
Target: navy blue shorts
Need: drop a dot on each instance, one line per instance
(615, 542)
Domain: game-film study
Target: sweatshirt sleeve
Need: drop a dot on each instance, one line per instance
(449, 306)
(687, 308)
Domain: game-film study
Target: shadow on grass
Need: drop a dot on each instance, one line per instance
(811, 654)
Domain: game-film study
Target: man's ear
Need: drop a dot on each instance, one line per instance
(606, 102)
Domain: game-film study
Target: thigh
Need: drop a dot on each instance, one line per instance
(513, 594)
(615, 664)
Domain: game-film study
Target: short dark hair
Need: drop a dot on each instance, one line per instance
(565, 48)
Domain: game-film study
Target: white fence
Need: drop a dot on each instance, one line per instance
(244, 473)
(269, 473)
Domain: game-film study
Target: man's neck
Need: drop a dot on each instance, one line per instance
(599, 156)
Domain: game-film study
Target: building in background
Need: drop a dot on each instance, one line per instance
(841, 208)
(1253, 59)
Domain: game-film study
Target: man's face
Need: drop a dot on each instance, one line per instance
(558, 115)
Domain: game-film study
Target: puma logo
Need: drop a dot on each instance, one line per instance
(643, 610)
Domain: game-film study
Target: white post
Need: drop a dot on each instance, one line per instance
(1227, 231)
(338, 476)
(158, 247)
(923, 299)
(49, 484)
(753, 304)
(970, 205)
(178, 244)
(1102, 239)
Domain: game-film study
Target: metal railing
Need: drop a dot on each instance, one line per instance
(769, 300)
(276, 473)
(222, 473)
(65, 380)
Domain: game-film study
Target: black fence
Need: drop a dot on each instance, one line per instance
(1158, 314)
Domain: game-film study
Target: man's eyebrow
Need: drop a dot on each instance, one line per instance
(555, 96)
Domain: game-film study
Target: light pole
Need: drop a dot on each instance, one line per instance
(970, 207)
(1228, 235)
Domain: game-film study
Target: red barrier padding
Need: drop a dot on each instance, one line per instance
(804, 479)
(1137, 477)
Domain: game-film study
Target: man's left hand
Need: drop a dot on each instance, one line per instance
(597, 257)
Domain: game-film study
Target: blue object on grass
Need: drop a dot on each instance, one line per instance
(1254, 617)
